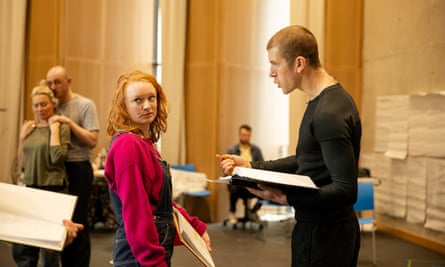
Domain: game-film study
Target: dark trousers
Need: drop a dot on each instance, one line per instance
(80, 178)
(28, 256)
(326, 244)
(237, 192)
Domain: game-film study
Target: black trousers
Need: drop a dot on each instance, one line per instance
(237, 192)
(326, 244)
(28, 256)
(80, 178)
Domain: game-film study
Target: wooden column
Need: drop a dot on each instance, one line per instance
(343, 44)
(201, 90)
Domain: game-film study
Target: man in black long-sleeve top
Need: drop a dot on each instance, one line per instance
(327, 232)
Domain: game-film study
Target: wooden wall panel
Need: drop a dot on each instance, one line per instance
(201, 90)
(228, 84)
(82, 29)
(343, 39)
(95, 40)
(41, 44)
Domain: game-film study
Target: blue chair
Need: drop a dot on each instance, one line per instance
(365, 209)
(185, 167)
(191, 168)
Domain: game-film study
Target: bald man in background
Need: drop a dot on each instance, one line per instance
(80, 114)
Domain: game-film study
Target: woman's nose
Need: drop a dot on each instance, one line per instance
(146, 104)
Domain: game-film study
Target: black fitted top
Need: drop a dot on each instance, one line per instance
(328, 151)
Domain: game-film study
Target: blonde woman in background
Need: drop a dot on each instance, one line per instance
(43, 147)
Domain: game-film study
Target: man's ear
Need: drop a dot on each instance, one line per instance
(300, 64)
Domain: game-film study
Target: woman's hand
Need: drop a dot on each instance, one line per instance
(206, 238)
(54, 124)
(229, 162)
(60, 118)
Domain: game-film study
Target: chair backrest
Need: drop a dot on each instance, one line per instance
(186, 181)
(365, 196)
(185, 167)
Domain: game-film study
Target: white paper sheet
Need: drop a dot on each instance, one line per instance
(34, 217)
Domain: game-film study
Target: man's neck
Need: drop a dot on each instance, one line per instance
(316, 81)
(244, 145)
(69, 95)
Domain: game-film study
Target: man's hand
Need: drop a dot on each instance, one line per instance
(229, 162)
(27, 128)
(72, 230)
(269, 193)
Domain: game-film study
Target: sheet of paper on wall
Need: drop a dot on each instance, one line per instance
(34, 217)
(413, 172)
(436, 126)
(435, 217)
(382, 123)
(398, 128)
(427, 124)
(398, 143)
(419, 105)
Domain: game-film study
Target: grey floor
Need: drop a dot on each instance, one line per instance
(268, 247)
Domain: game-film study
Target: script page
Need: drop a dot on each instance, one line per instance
(34, 217)
(192, 240)
(275, 177)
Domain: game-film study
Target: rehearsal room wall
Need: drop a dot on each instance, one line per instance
(227, 83)
(400, 49)
(87, 37)
(404, 54)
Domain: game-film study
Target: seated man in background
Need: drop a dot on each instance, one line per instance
(249, 152)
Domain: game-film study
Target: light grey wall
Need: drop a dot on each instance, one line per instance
(403, 54)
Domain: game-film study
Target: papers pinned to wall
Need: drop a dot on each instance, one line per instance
(410, 125)
(409, 158)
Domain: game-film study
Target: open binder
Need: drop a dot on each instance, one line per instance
(34, 217)
(191, 239)
(249, 177)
